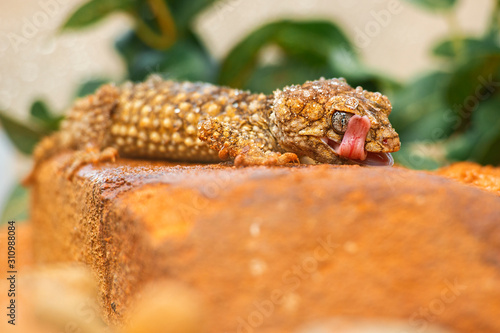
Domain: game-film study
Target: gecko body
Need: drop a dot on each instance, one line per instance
(326, 120)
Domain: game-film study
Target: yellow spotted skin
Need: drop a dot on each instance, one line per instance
(160, 119)
(201, 122)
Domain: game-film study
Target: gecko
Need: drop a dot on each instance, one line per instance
(326, 120)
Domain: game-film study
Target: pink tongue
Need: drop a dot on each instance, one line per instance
(353, 143)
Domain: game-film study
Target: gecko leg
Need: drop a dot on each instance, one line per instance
(231, 143)
(89, 155)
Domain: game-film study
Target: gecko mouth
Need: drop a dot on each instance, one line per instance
(352, 146)
(372, 159)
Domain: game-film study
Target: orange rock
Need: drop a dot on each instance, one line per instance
(272, 249)
(24, 248)
(166, 307)
(485, 177)
(24, 321)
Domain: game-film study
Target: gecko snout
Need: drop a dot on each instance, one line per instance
(384, 145)
(391, 144)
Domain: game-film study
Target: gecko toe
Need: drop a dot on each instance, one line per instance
(90, 155)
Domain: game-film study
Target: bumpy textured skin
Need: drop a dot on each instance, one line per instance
(160, 119)
(206, 123)
(301, 115)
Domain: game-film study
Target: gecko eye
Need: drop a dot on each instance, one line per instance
(340, 120)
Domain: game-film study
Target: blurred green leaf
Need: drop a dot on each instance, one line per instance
(40, 111)
(416, 156)
(241, 60)
(41, 114)
(268, 78)
(187, 59)
(89, 87)
(184, 11)
(23, 136)
(310, 43)
(344, 63)
(480, 143)
(434, 126)
(470, 82)
(419, 111)
(130, 47)
(486, 126)
(455, 47)
(488, 154)
(17, 206)
(94, 11)
(434, 4)
(460, 147)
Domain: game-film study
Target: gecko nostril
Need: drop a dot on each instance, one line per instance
(384, 141)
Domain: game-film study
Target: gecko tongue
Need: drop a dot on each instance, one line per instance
(353, 143)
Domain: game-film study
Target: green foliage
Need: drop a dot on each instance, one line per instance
(453, 112)
(44, 118)
(94, 11)
(307, 43)
(16, 206)
(25, 135)
(419, 110)
(457, 47)
(481, 142)
(435, 4)
(306, 50)
(184, 12)
(187, 59)
(89, 87)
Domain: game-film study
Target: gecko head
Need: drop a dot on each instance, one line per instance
(331, 122)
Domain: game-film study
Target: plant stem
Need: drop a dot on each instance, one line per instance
(168, 31)
(456, 35)
(495, 18)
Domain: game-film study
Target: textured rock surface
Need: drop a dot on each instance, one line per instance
(273, 249)
(485, 177)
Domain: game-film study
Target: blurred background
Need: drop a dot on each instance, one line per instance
(438, 61)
